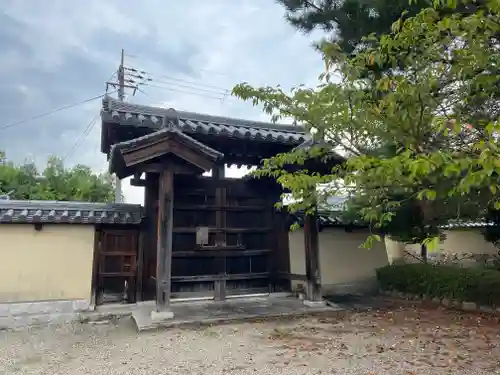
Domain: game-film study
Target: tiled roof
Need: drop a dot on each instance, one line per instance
(331, 215)
(195, 123)
(157, 135)
(467, 224)
(326, 219)
(310, 143)
(47, 212)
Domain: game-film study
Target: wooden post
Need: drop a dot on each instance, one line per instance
(150, 233)
(311, 244)
(164, 242)
(218, 174)
(140, 263)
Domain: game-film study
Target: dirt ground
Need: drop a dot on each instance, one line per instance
(413, 339)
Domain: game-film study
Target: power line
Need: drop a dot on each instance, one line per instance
(141, 77)
(220, 97)
(183, 85)
(51, 112)
(81, 138)
(150, 77)
(150, 97)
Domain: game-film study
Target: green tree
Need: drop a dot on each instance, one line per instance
(435, 108)
(346, 22)
(55, 182)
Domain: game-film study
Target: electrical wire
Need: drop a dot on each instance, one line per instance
(150, 77)
(187, 86)
(81, 138)
(220, 98)
(141, 77)
(52, 111)
(150, 97)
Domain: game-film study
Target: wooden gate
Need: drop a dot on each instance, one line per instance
(117, 265)
(240, 253)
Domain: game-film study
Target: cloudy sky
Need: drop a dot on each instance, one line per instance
(58, 52)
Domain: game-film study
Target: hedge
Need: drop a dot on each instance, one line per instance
(481, 286)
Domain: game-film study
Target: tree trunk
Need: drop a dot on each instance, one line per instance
(423, 252)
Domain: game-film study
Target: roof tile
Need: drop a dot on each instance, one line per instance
(154, 117)
(48, 212)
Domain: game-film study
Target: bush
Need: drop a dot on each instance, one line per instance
(465, 284)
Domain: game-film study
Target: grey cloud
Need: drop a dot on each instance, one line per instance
(54, 53)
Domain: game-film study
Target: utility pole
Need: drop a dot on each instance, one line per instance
(120, 86)
(121, 78)
(121, 97)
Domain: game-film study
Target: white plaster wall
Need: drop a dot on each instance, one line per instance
(344, 266)
(462, 241)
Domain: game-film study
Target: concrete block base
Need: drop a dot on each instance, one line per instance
(309, 303)
(159, 316)
(18, 315)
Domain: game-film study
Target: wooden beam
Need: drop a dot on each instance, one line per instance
(140, 263)
(164, 243)
(218, 173)
(138, 182)
(150, 223)
(94, 287)
(166, 146)
(311, 246)
(176, 168)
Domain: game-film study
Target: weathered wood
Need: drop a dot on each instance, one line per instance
(119, 247)
(224, 230)
(240, 276)
(311, 247)
(169, 145)
(233, 261)
(94, 286)
(281, 254)
(176, 168)
(151, 232)
(293, 276)
(140, 264)
(218, 253)
(164, 246)
(207, 207)
(218, 174)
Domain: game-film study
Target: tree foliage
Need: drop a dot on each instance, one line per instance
(55, 182)
(424, 131)
(347, 22)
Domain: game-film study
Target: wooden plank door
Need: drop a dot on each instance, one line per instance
(117, 267)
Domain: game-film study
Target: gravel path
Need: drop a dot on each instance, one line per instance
(410, 340)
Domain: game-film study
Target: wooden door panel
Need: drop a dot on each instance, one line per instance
(117, 266)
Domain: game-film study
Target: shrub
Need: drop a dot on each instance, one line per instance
(465, 284)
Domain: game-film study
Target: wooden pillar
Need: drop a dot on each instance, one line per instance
(311, 244)
(218, 174)
(164, 241)
(150, 233)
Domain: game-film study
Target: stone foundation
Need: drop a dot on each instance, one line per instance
(22, 314)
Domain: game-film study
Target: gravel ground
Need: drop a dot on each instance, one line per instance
(409, 340)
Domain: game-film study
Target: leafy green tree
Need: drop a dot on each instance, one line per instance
(346, 22)
(435, 108)
(55, 182)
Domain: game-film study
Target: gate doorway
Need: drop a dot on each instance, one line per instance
(223, 239)
(228, 240)
(116, 263)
